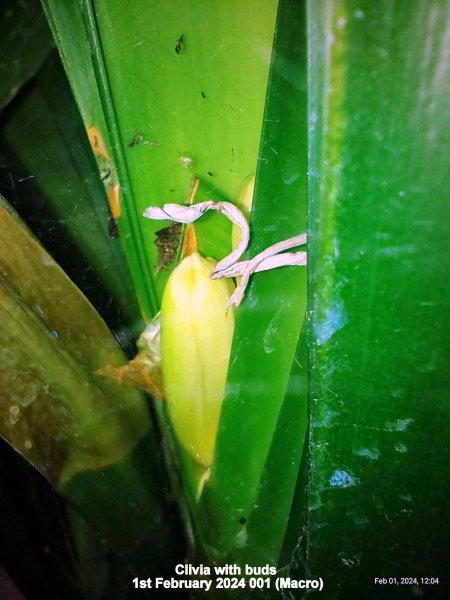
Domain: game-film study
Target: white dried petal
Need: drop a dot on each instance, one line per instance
(154, 212)
(270, 258)
(178, 212)
(252, 264)
(286, 259)
(149, 342)
(189, 214)
(235, 216)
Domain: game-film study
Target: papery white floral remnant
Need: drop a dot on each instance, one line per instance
(270, 258)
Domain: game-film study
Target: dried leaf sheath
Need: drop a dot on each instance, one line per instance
(53, 407)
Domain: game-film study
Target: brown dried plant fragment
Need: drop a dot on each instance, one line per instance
(167, 241)
(144, 371)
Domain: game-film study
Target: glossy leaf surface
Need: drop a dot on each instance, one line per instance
(268, 322)
(89, 436)
(49, 175)
(22, 26)
(180, 88)
(379, 246)
(169, 110)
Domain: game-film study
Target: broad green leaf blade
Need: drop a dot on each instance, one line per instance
(268, 523)
(167, 99)
(88, 435)
(190, 102)
(33, 550)
(22, 27)
(161, 106)
(76, 36)
(379, 246)
(270, 318)
(48, 170)
(174, 85)
(67, 26)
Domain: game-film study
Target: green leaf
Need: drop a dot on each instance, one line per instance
(192, 104)
(88, 435)
(33, 548)
(49, 172)
(268, 524)
(379, 192)
(248, 457)
(178, 92)
(22, 27)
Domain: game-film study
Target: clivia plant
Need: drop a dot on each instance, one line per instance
(176, 158)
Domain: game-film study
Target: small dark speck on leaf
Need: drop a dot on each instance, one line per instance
(203, 95)
(180, 44)
(135, 140)
(242, 520)
(210, 174)
(113, 230)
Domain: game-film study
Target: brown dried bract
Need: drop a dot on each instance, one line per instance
(138, 373)
(167, 241)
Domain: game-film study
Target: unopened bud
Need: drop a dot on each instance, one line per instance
(196, 335)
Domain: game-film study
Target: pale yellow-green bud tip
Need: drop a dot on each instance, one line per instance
(196, 336)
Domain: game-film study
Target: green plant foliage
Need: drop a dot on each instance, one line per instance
(254, 444)
(62, 344)
(178, 90)
(169, 91)
(379, 192)
(48, 172)
(86, 434)
(168, 110)
(268, 527)
(22, 27)
(37, 554)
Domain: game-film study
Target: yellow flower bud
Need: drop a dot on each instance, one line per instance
(196, 336)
